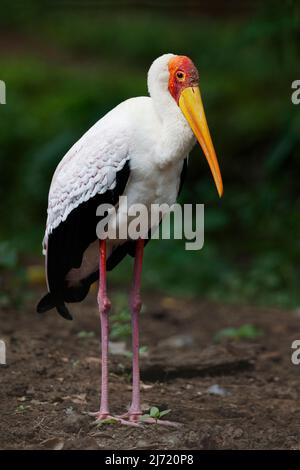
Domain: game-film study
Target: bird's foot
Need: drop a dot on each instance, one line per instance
(145, 419)
(106, 418)
(130, 419)
(162, 422)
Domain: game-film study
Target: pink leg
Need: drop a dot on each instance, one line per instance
(134, 413)
(104, 308)
(135, 307)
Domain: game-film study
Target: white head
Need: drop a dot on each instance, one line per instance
(173, 84)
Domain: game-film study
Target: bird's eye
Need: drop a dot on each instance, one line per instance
(180, 76)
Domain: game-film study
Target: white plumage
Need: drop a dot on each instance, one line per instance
(150, 132)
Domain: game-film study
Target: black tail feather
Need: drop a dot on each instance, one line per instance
(48, 302)
(63, 311)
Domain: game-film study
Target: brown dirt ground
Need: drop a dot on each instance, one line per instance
(52, 379)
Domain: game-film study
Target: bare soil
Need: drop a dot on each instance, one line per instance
(52, 379)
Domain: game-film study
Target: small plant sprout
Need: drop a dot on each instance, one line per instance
(155, 413)
(121, 328)
(143, 351)
(105, 422)
(22, 408)
(85, 334)
(243, 332)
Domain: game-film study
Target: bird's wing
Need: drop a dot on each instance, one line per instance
(93, 172)
(89, 168)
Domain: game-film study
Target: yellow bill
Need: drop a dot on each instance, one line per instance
(191, 105)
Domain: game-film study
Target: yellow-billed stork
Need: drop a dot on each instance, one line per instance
(139, 149)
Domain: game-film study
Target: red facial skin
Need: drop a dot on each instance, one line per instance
(183, 74)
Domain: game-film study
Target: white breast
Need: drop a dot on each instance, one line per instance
(152, 134)
(157, 151)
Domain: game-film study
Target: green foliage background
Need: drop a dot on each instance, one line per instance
(66, 64)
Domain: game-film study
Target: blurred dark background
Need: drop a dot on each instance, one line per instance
(66, 63)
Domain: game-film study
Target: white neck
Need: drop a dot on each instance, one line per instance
(176, 138)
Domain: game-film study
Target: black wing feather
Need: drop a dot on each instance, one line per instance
(68, 242)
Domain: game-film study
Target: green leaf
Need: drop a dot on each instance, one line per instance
(104, 422)
(120, 331)
(154, 412)
(145, 416)
(243, 332)
(143, 350)
(85, 334)
(163, 413)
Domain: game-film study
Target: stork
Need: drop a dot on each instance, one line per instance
(139, 150)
